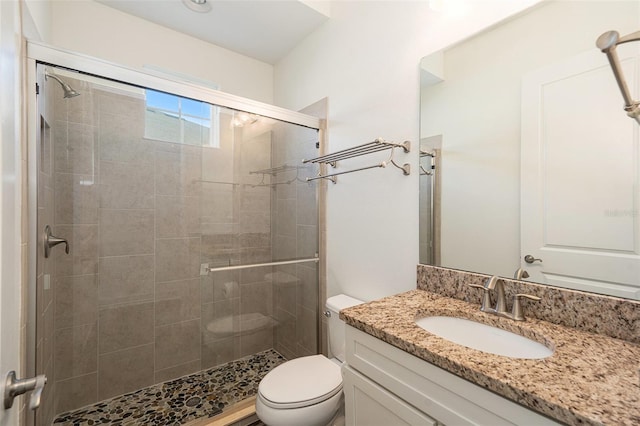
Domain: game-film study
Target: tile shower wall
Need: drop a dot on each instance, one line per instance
(129, 307)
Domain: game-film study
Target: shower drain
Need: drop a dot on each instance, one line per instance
(193, 401)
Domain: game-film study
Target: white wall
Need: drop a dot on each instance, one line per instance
(94, 29)
(365, 59)
(11, 168)
(36, 17)
(477, 110)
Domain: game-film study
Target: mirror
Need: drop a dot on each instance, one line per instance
(526, 151)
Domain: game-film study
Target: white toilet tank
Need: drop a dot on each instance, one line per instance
(335, 325)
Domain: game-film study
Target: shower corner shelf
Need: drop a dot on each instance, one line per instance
(378, 144)
(273, 172)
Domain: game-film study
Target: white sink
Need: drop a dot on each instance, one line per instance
(484, 337)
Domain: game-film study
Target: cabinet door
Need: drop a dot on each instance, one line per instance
(371, 405)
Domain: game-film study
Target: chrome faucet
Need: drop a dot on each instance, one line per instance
(494, 283)
(491, 284)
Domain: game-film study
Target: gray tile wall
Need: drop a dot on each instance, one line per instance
(129, 307)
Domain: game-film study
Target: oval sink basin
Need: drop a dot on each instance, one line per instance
(484, 337)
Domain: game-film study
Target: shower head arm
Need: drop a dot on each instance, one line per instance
(610, 39)
(630, 37)
(69, 92)
(607, 43)
(612, 56)
(55, 77)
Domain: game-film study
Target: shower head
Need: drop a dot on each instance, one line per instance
(608, 41)
(69, 92)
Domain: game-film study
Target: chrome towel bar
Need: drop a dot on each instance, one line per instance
(356, 151)
(332, 175)
(259, 265)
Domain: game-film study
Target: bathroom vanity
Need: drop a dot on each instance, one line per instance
(398, 373)
(387, 386)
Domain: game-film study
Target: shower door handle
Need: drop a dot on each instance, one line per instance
(52, 241)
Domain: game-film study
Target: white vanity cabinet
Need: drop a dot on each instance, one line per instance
(386, 386)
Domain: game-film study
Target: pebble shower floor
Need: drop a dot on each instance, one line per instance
(200, 395)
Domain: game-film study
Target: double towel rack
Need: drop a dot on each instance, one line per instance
(356, 151)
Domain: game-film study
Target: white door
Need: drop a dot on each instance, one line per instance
(10, 257)
(580, 177)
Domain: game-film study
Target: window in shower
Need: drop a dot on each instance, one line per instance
(172, 118)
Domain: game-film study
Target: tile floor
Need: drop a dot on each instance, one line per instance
(200, 395)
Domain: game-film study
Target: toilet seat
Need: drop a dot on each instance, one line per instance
(301, 382)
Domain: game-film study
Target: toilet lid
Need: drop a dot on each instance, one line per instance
(301, 382)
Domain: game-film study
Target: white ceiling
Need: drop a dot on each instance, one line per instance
(262, 29)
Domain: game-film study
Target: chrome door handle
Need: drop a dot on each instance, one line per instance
(530, 259)
(51, 241)
(14, 387)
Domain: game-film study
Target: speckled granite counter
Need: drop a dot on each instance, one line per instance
(590, 378)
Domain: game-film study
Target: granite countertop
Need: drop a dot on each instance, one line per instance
(590, 378)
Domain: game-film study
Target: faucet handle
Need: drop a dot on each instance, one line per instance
(15, 387)
(516, 312)
(36, 395)
(486, 297)
(526, 296)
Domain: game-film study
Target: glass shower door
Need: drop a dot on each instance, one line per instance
(154, 194)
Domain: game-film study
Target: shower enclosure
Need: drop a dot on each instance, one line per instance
(170, 206)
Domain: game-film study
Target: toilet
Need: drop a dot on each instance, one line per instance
(307, 391)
